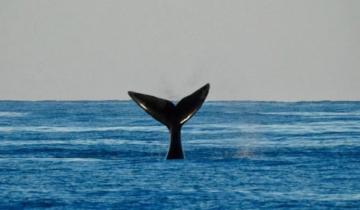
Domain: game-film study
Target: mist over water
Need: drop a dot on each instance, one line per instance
(248, 155)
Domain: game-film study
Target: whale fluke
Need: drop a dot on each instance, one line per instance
(173, 116)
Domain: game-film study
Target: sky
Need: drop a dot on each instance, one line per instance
(246, 49)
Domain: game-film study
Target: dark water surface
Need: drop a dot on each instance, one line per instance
(239, 155)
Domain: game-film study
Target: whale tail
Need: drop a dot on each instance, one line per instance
(166, 112)
(173, 116)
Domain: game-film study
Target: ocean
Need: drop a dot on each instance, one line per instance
(238, 155)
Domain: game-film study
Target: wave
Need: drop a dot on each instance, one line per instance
(258, 142)
(52, 159)
(213, 142)
(79, 142)
(322, 114)
(294, 128)
(13, 114)
(308, 195)
(59, 129)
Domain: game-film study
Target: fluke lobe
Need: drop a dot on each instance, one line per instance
(173, 116)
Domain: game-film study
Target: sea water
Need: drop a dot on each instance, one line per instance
(238, 155)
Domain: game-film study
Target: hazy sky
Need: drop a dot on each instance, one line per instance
(247, 50)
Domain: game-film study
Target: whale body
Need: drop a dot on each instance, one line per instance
(173, 116)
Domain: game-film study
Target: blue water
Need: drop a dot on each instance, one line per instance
(239, 155)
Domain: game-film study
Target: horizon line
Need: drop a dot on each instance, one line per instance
(209, 100)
